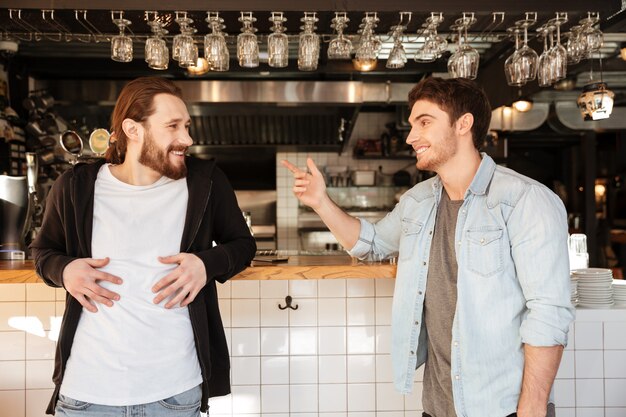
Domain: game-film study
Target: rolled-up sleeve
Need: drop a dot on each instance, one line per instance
(538, 236)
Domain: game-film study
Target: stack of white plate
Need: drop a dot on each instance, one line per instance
(573, 290)
(619, 292)
(594, 287)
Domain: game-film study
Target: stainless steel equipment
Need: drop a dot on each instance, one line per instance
(13, 215)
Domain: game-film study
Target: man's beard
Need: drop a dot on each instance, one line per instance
(158, 159)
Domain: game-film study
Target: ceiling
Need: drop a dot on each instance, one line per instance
(66, 45)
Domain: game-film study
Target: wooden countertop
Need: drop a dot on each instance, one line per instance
(297, 267)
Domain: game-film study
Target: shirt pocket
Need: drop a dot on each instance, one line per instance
(411, 230)
(484, 253)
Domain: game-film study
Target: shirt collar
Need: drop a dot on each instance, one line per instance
(481, 180)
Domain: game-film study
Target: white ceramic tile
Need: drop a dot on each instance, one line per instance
(589, 364)
(565, 412)
(361, 397)
(302, 288)
(361, 368)
(246, 399)
(60, 308)
(565, 392)
(332, 369)
(589, 412)
(246, 370)
(332, 340)
(274, 289)
(305, 315)
(223, 290)
(384, 372)
(13, 403)
(614, 392)
(303, 340)
(274, 399)
(37, 401)
(275, 370)
(12, 346)
(12, 315)
(566, 367)
(333, 398)
(360, 288)
(43, 311)
(303, 369)
(413, 401)
(383, 310)
(271, 315)
(390, 414)
(588, 335)
(39, 374)
(384, 287)
(615, 363)
(331, 311)
(40, 292)
(221, 405)
(245, 313)
(612, 412)
(589, 393)
(224, 305)
(245, 342)
(331, 288)
(244, 289)
(360, 311)
(305, 398)
(383, 339)
(13, 374)
(415, 413)
(387, 398)
(13, 292)
(39, 348)
(365, 414)
(60, 294)
(361, 339)
(615, 334)
(274, 341)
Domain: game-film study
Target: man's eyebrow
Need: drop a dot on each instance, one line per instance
(420, 116)
(177, 120)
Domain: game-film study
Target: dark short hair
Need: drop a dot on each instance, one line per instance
(456, 96)
(135, 102)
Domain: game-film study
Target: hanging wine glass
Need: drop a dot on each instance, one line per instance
(215, 48)
(558, 54)
(278, 42)
(340, 47)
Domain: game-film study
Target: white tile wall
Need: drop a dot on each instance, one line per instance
(329, 358)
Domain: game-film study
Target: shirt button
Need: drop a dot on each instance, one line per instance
(482, 241)
(456, 343)
(412, 353)
(419, 292)
(463, 211)
(457, 377)
(459, 242)
(430, 233)
(424, 263)
(417, 322)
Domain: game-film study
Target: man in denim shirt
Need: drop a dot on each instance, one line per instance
(490, 317)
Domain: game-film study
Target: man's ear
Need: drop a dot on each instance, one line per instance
(465, 123)
(132, 129)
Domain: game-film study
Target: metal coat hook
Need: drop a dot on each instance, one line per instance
(288, 301)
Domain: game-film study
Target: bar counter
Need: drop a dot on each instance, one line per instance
(297, 267)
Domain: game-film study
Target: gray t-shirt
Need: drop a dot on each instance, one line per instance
(439, 307)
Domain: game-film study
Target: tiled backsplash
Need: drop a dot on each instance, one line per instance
(328, 358)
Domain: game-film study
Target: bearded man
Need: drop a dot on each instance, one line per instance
(138, 241)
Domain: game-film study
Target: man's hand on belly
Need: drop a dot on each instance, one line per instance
(80, 278)
(182, 284)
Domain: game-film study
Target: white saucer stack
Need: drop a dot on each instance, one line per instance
(619, 292)
(594, 286)
(573, 290)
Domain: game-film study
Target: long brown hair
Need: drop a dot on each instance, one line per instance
(135, 102)
(456, 96)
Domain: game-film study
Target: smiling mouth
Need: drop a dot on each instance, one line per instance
(420, 150)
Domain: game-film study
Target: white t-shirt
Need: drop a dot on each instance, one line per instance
(135, 352)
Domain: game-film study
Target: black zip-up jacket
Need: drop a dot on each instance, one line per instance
(212, 215)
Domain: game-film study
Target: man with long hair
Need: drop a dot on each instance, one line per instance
(131, 240)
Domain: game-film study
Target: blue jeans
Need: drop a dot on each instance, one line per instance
(185, 404)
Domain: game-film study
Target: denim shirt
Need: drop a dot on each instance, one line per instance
(512, 289)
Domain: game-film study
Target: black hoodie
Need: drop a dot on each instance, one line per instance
(212, 215)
